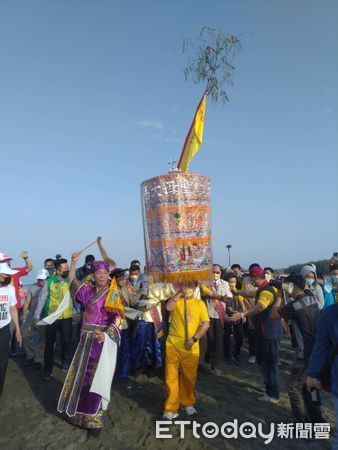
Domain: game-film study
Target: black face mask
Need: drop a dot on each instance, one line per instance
(6, 281)
(50, 269)
(65, 274)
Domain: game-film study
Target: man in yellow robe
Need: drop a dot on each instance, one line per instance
(189, 322)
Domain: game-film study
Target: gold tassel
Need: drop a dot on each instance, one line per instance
(182, 277)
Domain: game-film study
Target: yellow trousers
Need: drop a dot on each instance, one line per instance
(180, 378)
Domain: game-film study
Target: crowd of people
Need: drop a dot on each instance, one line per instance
(126, 325)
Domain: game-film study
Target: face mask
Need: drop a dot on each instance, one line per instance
(133, 277)
(232, 285)
(65, 274)
(217, 276)
(334, 280)
(267, 276)
(50, 269)
(89, 266)
(309, 281)
(189, 292)
(6, 281)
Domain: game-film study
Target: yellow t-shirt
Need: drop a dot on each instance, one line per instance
(196, 314)
(266, 298)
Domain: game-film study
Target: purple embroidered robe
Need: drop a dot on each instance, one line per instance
(82, 407)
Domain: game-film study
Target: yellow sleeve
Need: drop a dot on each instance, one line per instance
(204, 316)
(240, 298)
(266, 299)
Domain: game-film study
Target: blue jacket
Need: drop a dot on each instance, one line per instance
(328, 296)
(326, 341)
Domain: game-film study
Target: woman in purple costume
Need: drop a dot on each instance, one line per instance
(80, 406)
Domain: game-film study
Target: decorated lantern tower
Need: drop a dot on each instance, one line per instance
(177, 206)
(177, 227)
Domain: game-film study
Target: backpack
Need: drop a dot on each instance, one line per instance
(325, 373)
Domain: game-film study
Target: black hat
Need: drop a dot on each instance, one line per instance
(89, 258)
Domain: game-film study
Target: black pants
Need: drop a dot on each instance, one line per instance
(214, 351)
(302, 406)
(267, 358)
(64, 327)
(250, 333)
(5, 339)
(237, 330)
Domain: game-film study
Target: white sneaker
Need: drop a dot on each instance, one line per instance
(274, 400)
(252, 360)
(264, 398)
(170, 415)
(190, 410)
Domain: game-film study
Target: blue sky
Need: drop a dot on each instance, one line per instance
(94, 101)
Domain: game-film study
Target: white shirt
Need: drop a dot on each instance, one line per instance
(221, 287)
(7, 299)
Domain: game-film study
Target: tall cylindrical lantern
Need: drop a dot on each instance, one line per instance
(177, 227)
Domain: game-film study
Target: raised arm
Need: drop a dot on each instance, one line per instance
(28, 262)
(171, 303)
(103, 252)
(72, 268)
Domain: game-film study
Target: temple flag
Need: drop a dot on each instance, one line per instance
(194, 137)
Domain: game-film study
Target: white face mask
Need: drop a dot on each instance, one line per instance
(309, 281)
(267, 276)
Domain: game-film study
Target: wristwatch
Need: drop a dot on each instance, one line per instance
(194, 339)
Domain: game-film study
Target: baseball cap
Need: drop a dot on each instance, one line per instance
(5, 269)
(42, 274)
(4, 257)
(257, 272)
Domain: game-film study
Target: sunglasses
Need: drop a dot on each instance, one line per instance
(218, 272)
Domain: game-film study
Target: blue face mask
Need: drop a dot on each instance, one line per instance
(334, 279)
(309, 281)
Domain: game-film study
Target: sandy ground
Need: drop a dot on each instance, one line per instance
(29, 420)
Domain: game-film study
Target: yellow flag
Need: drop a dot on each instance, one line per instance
(194, 137)
(113, 302)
